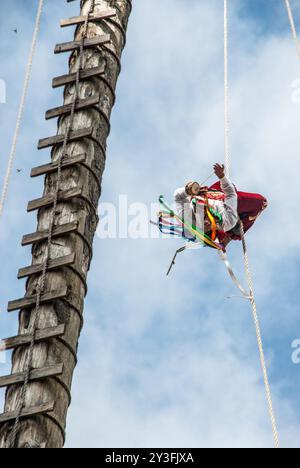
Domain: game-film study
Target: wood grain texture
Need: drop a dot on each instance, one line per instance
(70, 78)
(46, 201)
(88, 43)
(58, 231)
(59, 139)
(92, 18)
(69, 311)
(53, 166)
(54, 264)
(28, 412)
(81, 105)
(36, 374)
(23, 340)
(30, 301)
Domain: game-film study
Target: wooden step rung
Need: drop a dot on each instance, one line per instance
(41, 335)
(52, 265)
(84, 74)
(30, 301)
(74, 45)
(59, 139)
(92, 17)
(58, 231)
(28, 412)
(53, 166)
(81, 104)
(35, 374)
(63, 195)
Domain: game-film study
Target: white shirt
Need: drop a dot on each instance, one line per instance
(227, 209)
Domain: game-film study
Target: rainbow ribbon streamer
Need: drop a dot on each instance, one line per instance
(172, 224)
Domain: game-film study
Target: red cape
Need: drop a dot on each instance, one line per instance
(250, 206)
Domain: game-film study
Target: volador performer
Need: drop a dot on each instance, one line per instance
(217, 210)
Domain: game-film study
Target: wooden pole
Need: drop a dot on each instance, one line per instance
(48, 396)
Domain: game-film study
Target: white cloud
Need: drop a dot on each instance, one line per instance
(182, 367)
(171, 362)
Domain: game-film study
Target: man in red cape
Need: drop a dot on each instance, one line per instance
(219, 208)
(250, 207)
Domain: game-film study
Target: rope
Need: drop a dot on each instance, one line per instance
(245, 251)
(226, 91)
(293, 26)
(12, 153)
(42, 280)
(259, 337)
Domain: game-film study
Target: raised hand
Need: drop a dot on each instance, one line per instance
(219, 170)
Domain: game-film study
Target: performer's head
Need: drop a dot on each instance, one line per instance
(194, 189)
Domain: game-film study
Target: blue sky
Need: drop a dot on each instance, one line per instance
(173, 362)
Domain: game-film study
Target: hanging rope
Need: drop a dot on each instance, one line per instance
(42, 281)
(259, 337)
(293, 26)
(21, 108)
(226, 91)
(245, 251)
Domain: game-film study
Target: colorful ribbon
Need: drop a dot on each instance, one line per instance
(171, 223)
(201, 236)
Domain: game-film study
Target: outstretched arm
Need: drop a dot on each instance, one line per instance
(226, 184)
(230, 216)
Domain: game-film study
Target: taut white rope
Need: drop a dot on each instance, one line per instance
(259, 338)
(245, 251)
(21, 108)
(293, 26)
(226, 91)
